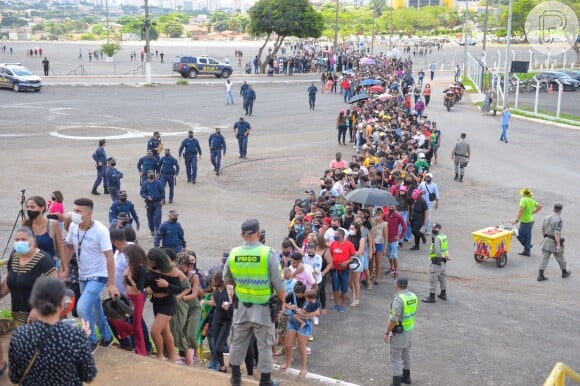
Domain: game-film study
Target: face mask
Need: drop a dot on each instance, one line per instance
(167, 155)
(285, 254)
(435, 231)
(54, 199)
(151, 178)
(349, 211)
(428, 181)
(21, 247)
(336, 238)
(113, 164)
(32, 214)
(190, 136)
(335, 227)
(338, 158)
(77, 218)
(352, 233)
(311, 254)
(173, 219)
(298, 228)
(391, 211)
(123, 199)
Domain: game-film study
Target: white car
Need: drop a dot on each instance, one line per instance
(17, 77)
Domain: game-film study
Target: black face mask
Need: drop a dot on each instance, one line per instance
(435, 232)
(285, 254)
(391, 211)
(173, 219)
(349, 211)
(151, 178)
(123, 199)
(190, 136)
(335, 227)
(113, 164)
(32, 214)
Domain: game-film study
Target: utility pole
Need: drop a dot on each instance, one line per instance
(373, 33)
(391, 28)
(465, 40)
(485, 24)
(108, 28)
(147, 44)
(507, 54)
(336, 29)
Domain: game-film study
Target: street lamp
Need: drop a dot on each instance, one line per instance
(147, 44)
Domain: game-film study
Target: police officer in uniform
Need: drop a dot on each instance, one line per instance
(255, 271)
(217, 144)
(399, 330)
(113, 179)
(439, 255)
(312, 90)
(100, 158)
(553, 243)
(461, 155)
(170, 234)
(192, 150)
(242, 131)
(123, 205)
(154, 144)
(154, 195)
(168, 170)
(249, 99)
(146, 163)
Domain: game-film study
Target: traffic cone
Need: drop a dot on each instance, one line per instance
(550, 90)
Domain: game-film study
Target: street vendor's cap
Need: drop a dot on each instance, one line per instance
(250, 226)
(558, 207)
(402, 282)
(526, 192)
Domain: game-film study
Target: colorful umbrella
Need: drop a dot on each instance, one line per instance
(377, 89)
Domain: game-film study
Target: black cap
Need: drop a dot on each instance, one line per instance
(437, 226)
(558, 207)
(123, 193)
(122, 215)
(156, 133)
(250, 226)
(190, 132)
(402, 282)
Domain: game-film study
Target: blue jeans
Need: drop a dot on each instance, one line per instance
(407, 236)
(168, 179)
(525, 235)
(229, 98)
(312, 100)
(190, 168)
(249, 106)
(216, 159)
(243, 144)
(340, 280)
(504, 129)
(89, 308)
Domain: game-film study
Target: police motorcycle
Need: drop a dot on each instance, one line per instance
(449, 99)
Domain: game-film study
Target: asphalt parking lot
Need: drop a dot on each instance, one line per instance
(499, 327)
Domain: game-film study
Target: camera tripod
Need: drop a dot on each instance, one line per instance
(18, 217)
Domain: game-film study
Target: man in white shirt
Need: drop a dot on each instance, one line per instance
(91, 241)
(334, 225)
(229, 95)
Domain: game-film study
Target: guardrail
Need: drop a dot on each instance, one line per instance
(81, 69)
(558, 375)
(134, 72)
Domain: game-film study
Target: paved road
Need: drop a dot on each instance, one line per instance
(499, 327)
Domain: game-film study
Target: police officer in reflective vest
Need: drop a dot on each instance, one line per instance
(254, 270)
(399, 329)
(439, 256)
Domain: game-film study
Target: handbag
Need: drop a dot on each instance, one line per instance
(432, 196)
(36, 354)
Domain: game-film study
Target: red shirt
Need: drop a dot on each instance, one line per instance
(341, 252)
(393, 225)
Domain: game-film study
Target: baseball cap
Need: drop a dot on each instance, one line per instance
(156, 133)
(558, 206)
(327, 221)
(437, 226)
(526, 192)
(173, 213)
(122, 215)
(123, 193)
(250, 226)
(403, 282)
(430, 175)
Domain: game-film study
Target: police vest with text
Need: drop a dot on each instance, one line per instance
(444, 250)
(409, 309)
(249, 267)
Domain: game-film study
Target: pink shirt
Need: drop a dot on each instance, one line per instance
(334, 164)
(56, 207)
(306, 276)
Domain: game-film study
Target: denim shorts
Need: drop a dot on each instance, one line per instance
(379, 248)
(340, 280)
(304, 331)
(393, 250)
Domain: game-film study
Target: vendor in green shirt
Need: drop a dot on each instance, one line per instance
(525, 217)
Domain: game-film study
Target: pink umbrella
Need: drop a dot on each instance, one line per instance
(384, 97)
(367, 61)
(377, 89)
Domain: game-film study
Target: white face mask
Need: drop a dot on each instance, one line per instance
(77, 218)
(352, 233)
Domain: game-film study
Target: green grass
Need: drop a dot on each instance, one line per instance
(567, 119)
(469, 85)
(182, 82)
(336, 376)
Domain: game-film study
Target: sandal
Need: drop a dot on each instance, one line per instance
(283, 367)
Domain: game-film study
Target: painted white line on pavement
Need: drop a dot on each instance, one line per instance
(127, 133)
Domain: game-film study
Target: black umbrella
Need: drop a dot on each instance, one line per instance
(358, 98)
(371, 196)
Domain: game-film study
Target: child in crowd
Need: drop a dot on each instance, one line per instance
(284, 318)
(311, 305)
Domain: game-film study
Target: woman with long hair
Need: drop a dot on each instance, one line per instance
(323, 251)
(342, 127)
(164, 282)
(134, 277)
(222, 319)
(380, 234)
(356, 238)
(47, 232)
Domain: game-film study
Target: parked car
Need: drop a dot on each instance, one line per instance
(574, 74)
(550, 77)
(17, 77)
(192, 66)
(470, 42)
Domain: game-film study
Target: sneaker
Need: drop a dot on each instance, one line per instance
(106, 343)
(341, 309)
(308, 350)
(316, 320)
(94, 348)
(335, 308)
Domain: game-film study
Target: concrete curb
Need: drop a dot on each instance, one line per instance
(315, 377)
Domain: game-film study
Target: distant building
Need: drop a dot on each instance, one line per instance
(397, 4)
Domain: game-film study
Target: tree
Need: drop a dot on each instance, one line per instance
(278, 19)
(110, 49)
(520, 11)
(173, 29)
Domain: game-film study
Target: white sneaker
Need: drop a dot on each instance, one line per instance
(316, 321)
(308, 350)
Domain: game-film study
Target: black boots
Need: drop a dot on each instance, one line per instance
(265, 380)
(566, 273)
(236, 379)
(406, 378)
(460, 178)
(443, 295)
(456, 177)
(94, 192)
(541, 276)
(396, 381)
(430, 299)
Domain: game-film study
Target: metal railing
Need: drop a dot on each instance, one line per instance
(134, 71)
(81, 69)
(559, 374)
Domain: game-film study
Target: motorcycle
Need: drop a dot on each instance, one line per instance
(449, 100)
